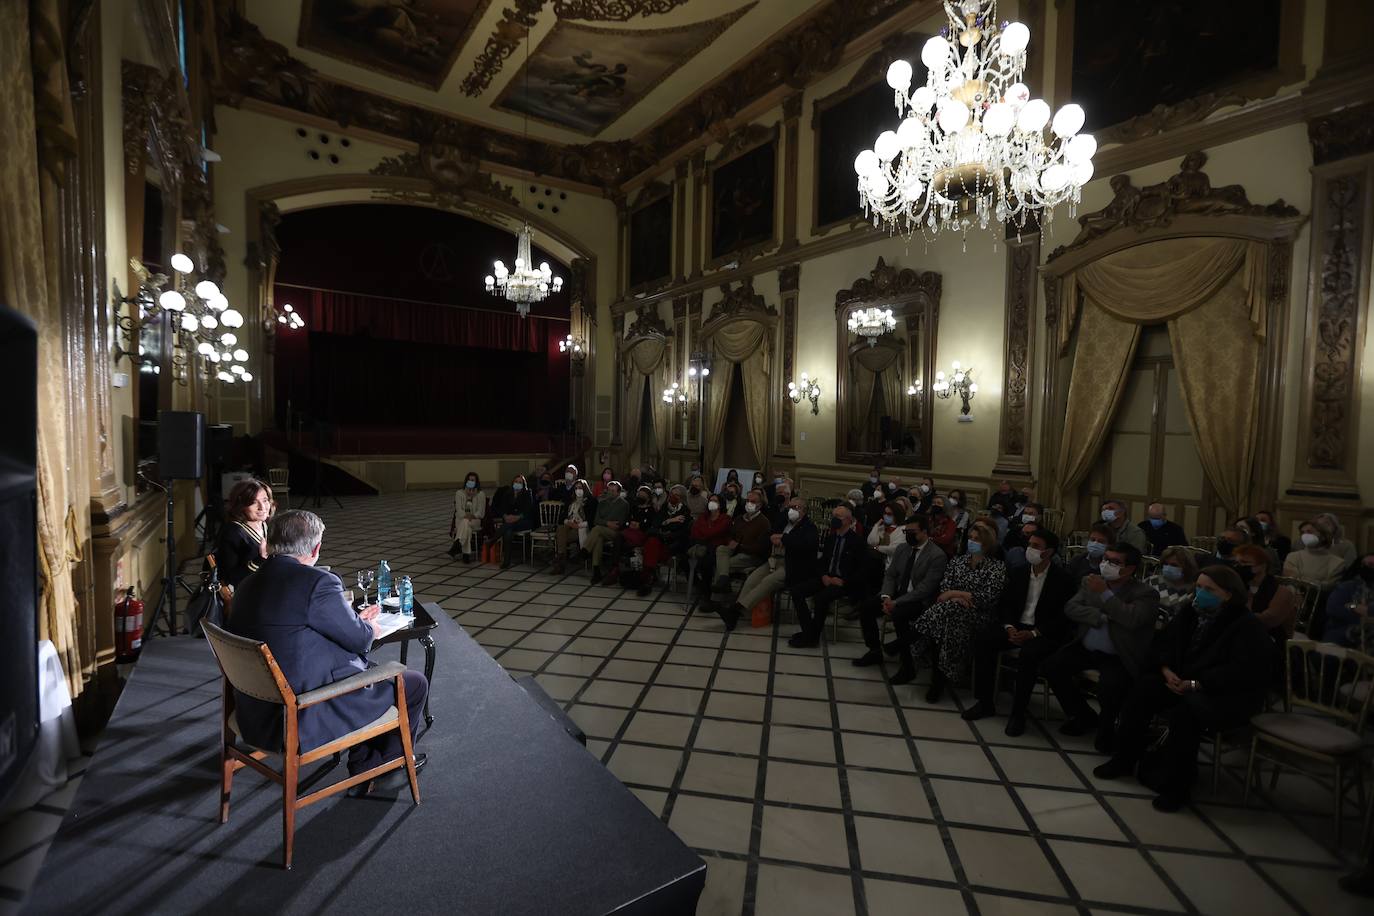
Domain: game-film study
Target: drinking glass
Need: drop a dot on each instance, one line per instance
(365, 577)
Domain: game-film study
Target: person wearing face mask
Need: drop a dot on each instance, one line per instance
(1275, 606)
(697, 496)
(799, 542)
(887, 534)
(1004, 498)
(1030, 619)
(641, 533)
(748, 546)
(516, 509)
(1339, 545)
(730, 502)
(777, 508)
(925, 490)
(710, 530)
(1116, 616)
(612, 513)
(1274, 539)
(1018, 532)
(942, 530)
(894, 489)
(1315, 561)
(1160, 532)
(660, 496)
(469, 508)
(969, 592)
(838, 566)
(874, 482)
(909, 586)
(732, 480)
(1347, 609)
(1228, 541)
(956, 507)
(1101, 537)
(1174, 581)
(1114, 514)
(571, 534)
(1208, 670)
(563, 486)
(599, 488)
(675, 521)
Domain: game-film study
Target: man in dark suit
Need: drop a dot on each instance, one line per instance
(316, 639)
(844, 550)
(1031, 618)
(1160, 531)
(911, 583)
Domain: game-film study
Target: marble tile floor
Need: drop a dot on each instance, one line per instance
(813, 787)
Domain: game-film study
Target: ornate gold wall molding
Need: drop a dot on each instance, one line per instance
(789, 286)
(1342, 134)
(513, 28)
(1013, 450)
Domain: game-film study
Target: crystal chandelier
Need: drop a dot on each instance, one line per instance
(525, 284)
(972, 143)
(872, 323)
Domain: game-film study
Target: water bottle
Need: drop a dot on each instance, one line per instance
(407, 593)
(383, 581)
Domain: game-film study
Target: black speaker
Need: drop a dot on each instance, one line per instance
(180, 444)
(18, 546)
(219, 442)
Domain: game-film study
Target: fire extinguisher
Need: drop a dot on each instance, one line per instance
(128, 627)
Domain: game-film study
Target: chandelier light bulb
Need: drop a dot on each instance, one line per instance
(999, 119)
(886, 146)
(1017, 95)
(288, 307)
(172, 301)
(206, 289)
(705, 372)
(953, 116)
(1054, 178)
(922, 101)
(899, 74)
(281, 319)
(241, 355)
(490, 281)
(934, 53)
(545, 269)
(1080, 149)
(209, 322)
(1033, 117)
(228, 338)
(909, 133)
(866, 163)
(204, 348)
(224, 376)
(232, 318)
(247, 376)
(189, 323)
(236, 369)
(1068, 120)
(1015, 37)
(519, 263)
(182, 264)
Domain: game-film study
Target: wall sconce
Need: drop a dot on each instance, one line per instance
(809, 389)
(576, 348)
(676, 395)
(960, 383)
(288, 316)
(914, 388)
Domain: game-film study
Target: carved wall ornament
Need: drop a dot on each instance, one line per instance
(1155, 206)
(1342, 134)
(647, 324)
(1022, 262)
(648, 194)
(743, 140)
(1163, 117)
(612, 10)
(513, 28)
(157, 120)
(887, 282)
(452, 171)
(789, 278)
(740, 302)
(1334, 371)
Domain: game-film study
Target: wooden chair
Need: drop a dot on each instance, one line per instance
(550, 514)
(1077, 538)
(249, 668)
(1148, 567)
(280, 479)
(1323, 682)
(1054, 520)
(1309, 598)
(1206, 543)
(1004, 658)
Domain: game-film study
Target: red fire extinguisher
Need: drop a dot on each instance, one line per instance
(128, 627)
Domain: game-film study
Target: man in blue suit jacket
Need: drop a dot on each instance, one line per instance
(316, 638)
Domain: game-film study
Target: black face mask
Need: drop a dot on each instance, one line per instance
(911, 538)
(696, 490)
(1367, 574)
(1224, 548)
(1244, 571)
(836, 524)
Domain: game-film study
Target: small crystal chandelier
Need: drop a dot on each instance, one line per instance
(290, 317)
(525, 284)
(872, 323)
(972, 144)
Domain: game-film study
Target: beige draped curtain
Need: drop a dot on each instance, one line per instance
(36, 133)
(742, 343)
(645, 358)
(1211, 292)
(876, 368)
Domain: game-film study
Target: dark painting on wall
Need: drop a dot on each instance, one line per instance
(651, 241)
(1129, 56)
(412, 40)
(742, 200)
(842, 131)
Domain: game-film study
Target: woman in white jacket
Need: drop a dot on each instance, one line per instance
(469, 508)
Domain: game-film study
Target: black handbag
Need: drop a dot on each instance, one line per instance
(208, 603)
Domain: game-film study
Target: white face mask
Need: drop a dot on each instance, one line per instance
(713, 506)
(1034, 556)
(569, 477)
(658, 491)
(580, 492)
(1108, 515)
(793, 515)
(872, 478)
(953, 502)
(925, 488)
(1029, 519)
(891, 486)
(751, 508)
(1109, 571)
(1310, 540)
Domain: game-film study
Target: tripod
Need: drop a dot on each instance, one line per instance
(318, 488)
(168, 600)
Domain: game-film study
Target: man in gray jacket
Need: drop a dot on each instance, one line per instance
(910, 584)
(1116, 616)
(612, 513)
(1114, 514)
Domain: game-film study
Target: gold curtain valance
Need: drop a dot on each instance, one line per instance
(1161, 281)
(878, 358)
(739, 340)
(645, 354)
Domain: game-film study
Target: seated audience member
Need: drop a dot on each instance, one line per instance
(242, 544)
(1101, 537)
(1314, 560)
(1019, 536)
(730, 502)
(697, 495)
(758, 484)
(1208, 670)
(942, 530)
(612, 513)
(599, 488)
(571, 534)
(887, 534)
(869, 512)
(873, 483)
(1031, 619)
(633, 481)
(783, 491)
(1019, 531)
(1347, 609)
(925, 490)
(993, 518)
(640, 533)
(543, 490)
(956, 507)
(732, 479)
(469, 508)
(516, 508)
(675, 521)
(1229, 539)
(564, 486)
(1339, 545)
(799, 542)
(1114, 514)
(1116, 617)
(316, 638)
(838, 565)
(1274, 539)
(894, 488)
(1004, 498)
(1273, 604)
(967, 603)
(748, 546)
(1160, 532)
(910, 585)
(710, 530)
(660, 495)
(1175, 581)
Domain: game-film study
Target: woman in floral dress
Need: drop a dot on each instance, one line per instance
(967, 603)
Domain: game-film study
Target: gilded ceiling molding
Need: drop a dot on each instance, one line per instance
(156, 119)
(1155, 206)
(1163, 117)
(513, 28)
(451, 171)
(1342, 134)
(612, 10)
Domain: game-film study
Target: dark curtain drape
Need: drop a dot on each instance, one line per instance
(345, 313)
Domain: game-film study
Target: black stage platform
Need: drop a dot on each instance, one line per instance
(515, 816)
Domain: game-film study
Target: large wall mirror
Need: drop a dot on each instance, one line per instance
(883, 380)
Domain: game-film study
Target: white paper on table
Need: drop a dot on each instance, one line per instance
(389, 623)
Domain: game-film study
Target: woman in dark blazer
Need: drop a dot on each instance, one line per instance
(242, 541)
(515, 509)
